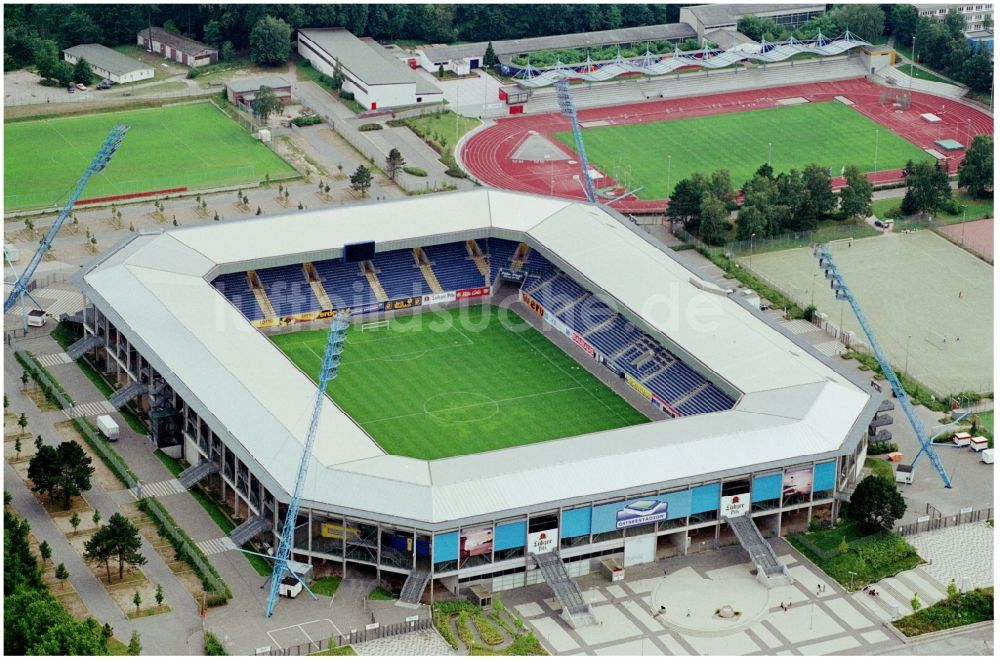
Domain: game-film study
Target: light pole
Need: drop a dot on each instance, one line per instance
(812, 298)
(906, 362)
(752, 235)
(552, 176)
(840, 330)
(914, 58)
(875, 172)
(853, 575)
(768, 153)
(669, 159)
(963, 226)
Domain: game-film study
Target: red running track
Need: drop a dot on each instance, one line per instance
(488, 154)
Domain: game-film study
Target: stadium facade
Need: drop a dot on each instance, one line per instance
(224, 398)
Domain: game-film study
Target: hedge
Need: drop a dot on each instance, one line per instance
(371, 126)
(36, 371)
(213, 646)
(104, 451)
(415, 171)
(214, 598)
(307, 121)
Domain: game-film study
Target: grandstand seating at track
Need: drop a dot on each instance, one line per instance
(627, 348)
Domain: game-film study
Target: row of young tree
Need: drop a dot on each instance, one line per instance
(114, 24)
(866, 21)
(35, 623)
(771, 204)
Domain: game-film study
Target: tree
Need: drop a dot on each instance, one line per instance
(64, 73)
(270, 41)
(975, 174)
(62, 574)
(6, 402)
(903, 23)
(123, 538)
(213, 34)
(22, 420)
(74, 521)
(977, 72)
(266, 103)
(47, 60)
(96, 517)
(490, 57)
(876, 504)
(82, 72)
(17, 448)
(394, 163)
(713, 219)
(98, 549)
(134, 644)
(856, 197)
(685, 201)
(159, 595)
(227, 52)
(756, 27)
(866, 21)
(45, 551)
(927, 189)
(765, 171)
(137, 601)
(843, 547)
(721, 186)
(43, 471)
(361, 180)
(74, 471)
(819, 198)
(38, 442)
(107, 631)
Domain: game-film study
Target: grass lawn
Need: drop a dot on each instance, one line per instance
(173, 465)
(343, 650)
(882, 555)
(325, 585)
(435, 126)
(921, 74)
(986, 419)
(830, 134)
(975, 208)
(972, 607)
(880, 467)
(379, 593)
(195, 145)
(411, 388)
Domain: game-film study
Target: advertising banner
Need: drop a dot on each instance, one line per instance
(582, 343)
(557, 324)
(439, 297)
(367, 308)
(797, 482)
(265, 324)
(474, 542)
(534, 305)
(512, 276)
(543, 541)
(735, 505)
(666, 406)
(329, 530)
(401, 304)
(472, 292)
(644, 511)
(642, 390)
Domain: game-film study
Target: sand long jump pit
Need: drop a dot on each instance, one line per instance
(909, 287)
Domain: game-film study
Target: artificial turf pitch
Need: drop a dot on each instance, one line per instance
(830, 134)
(194, 145)
(461, 381)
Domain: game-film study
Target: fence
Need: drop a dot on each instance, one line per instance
(353, 637)
(934, 521)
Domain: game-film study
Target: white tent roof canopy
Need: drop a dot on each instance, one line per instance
(154, 288)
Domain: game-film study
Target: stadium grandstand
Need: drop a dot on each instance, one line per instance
(751, 432)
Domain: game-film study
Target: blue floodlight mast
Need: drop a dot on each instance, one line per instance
(108, 149)
(841, 291)
(568, 108)
(331, 361)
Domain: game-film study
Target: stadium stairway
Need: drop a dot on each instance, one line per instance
(425, 268)
(83, 345)
(373, 281)
(413, 588)
(316, 283)
(131, 391)
(248, 529)
(261, 295)
(576, 609)
(476, 253)
(770, 571)
(197, 473)
(520, 255)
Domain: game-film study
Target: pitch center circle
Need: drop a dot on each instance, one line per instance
(461, 407)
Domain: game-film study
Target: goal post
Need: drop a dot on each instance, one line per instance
(372, 326)
(937, 340)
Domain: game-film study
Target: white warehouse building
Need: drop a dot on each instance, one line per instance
(108, 63)
(376, 77)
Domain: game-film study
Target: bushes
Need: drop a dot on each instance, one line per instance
(882, 447)
(213, 646)
(104, 451)
(346, 95)
(371, 126)
(415, 171)
(46, 382)
(964, 609)
(487, 631)
(307, 121)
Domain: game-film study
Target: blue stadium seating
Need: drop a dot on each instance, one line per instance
(288, 290)
(500, 251)
(236, 288)
(345, 283)
(454, 269)
(399, 274)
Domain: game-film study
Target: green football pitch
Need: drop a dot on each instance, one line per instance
(194, 145)
(830, 134)
(461, 381)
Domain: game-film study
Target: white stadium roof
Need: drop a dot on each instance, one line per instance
(154, 287)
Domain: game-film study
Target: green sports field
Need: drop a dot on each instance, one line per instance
(193, 145)
(461, 381)
(829, 133)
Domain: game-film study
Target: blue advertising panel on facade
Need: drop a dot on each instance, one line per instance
(766, 488)
(575, 522)
(824, 476)
(446, 547)
(644, 511)
(510, 535)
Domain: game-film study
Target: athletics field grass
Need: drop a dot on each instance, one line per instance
(461, 381)
(194, 145)
(830, 134)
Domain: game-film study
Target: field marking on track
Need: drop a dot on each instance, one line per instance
(478, 404)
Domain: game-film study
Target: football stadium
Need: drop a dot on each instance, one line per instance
(530, 385)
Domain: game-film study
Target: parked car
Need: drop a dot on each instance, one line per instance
(81, 87)
(70, 88)
(104, 85)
